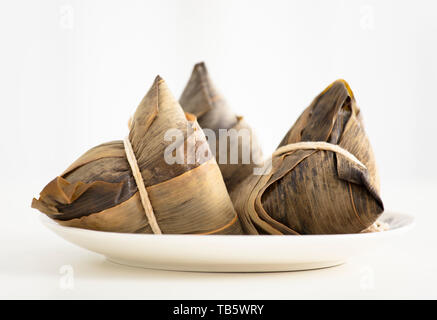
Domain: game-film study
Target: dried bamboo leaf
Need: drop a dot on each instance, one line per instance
(99, 192)
(316, 191)
(201, 98)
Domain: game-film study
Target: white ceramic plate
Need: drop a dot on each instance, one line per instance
(225, 253)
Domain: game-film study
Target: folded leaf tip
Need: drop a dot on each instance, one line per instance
(200, 65)
(340, 82)
(158, 80)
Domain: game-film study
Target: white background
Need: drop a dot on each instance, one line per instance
(72, 72)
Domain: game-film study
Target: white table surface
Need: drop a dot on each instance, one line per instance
(32, 260)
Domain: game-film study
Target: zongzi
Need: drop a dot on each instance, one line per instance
(322, 179)
(131, 187)
(236, 148)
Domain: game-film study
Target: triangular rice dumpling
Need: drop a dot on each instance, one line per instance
(201, 98)
(98, 191)
(322, 178)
